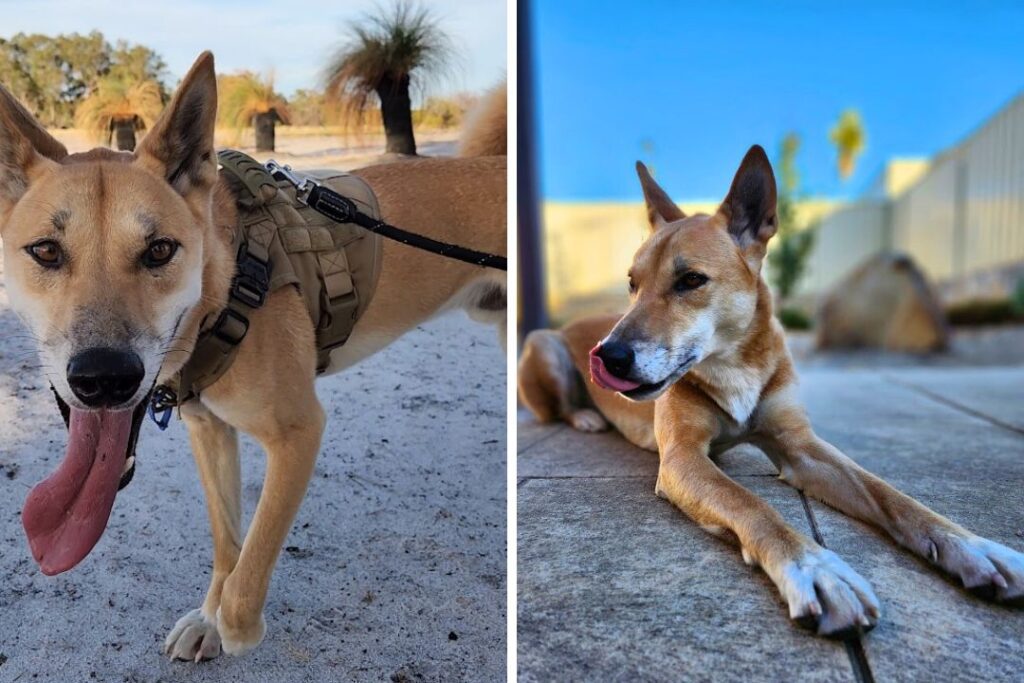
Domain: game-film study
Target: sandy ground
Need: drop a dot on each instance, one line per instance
(304, 150)
(394, 569)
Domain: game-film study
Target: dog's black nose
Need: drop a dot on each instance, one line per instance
(617, 357)
(103, 378)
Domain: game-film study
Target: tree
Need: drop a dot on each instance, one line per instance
(248, 98)
(382, 58)
(118, 107)
(788, 259)
(51, 75)
(848, 136)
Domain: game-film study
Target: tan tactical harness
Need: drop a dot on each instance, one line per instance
(281, 241)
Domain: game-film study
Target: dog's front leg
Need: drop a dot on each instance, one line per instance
(815, 466)
(823, 593)
(215, 448)
(291, 441)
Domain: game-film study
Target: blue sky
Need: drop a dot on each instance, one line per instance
(702, 82)
(293, 38)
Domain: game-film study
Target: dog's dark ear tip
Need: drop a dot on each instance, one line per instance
(641, 168)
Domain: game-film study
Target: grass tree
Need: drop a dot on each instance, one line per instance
(384, 57)
(248, 99)
(848, 136)
(118, 107)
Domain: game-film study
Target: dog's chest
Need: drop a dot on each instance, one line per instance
(736, 390)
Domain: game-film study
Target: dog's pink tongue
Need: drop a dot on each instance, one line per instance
(602, 378)
(65, 515)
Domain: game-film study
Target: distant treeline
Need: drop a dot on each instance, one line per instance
(54, 75)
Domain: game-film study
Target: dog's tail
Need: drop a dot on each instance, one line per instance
(486, 132)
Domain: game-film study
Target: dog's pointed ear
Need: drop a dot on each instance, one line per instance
(25, 146)
(180, 145)
(750, 206)
(660, 207)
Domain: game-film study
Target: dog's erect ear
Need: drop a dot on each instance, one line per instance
(180, 145)
(660, 207)
(24, 145)
(750, 204)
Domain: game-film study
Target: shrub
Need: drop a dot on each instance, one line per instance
(794, 319)
(983, 312)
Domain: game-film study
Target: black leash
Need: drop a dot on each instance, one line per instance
(341, 209)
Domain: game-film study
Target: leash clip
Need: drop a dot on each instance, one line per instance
(304, 184)
(161, 405)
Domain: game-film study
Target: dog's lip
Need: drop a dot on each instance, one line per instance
(654, 387)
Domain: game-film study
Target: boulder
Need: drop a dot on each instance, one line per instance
(885, 303)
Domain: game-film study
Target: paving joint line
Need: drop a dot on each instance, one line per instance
(855, 646)
(557, 430)
(950, 403)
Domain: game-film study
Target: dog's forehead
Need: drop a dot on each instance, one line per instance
(699, 240)
(106, 194)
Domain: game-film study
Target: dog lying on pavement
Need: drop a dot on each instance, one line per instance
(698, 364)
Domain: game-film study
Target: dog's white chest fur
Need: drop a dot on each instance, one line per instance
(737, 388)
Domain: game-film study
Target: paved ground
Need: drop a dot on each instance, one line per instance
(394, 570)
(615, 584)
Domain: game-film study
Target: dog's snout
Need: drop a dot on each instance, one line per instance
(103, 378)
(617, 358)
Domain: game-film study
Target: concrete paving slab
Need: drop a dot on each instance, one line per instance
(893, 430)
(615, 584)
(530, 431)
(996, 392)
(931, 629)
(394, 570)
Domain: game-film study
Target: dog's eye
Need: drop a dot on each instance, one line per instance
(689, 281)
(632, 285)
(46, 253)
(159, 253)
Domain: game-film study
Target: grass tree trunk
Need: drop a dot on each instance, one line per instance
(265, 124)
(124, 134)
(396, 112)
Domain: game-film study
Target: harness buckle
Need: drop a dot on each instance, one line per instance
(231, 327)
(252, 279)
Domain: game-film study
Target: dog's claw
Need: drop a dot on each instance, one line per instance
(193, 638)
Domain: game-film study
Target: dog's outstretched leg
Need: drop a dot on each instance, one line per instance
(215, 448)
(986, 568)
(823, 593)
(291, 441)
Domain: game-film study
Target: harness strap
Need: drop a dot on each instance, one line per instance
(217, 344)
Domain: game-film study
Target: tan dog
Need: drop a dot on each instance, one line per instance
(114, 259)
(700, 337)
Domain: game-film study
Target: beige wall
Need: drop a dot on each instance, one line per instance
(961, 220)
(588, 248)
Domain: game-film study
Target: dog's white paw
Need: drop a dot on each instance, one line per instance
(986, 568)
(194, 638)
(587, 420)
(827, 596)
(238, 641)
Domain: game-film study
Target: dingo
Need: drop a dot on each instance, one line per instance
(114, 260)
(700, 337)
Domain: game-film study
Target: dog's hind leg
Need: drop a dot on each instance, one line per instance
(550, 386)
(215, 448)
(986, 568)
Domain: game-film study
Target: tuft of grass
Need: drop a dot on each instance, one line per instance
(794, 319)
